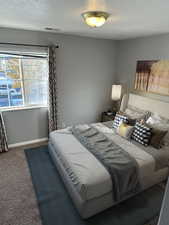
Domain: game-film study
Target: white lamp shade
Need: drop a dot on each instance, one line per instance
(116, 92)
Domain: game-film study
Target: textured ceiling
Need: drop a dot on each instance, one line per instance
(129, 18)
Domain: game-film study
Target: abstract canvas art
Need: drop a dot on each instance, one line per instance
(152, 76)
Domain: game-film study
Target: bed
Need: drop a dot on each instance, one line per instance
(87, 179)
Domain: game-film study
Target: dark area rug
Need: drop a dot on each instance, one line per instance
(56, 207)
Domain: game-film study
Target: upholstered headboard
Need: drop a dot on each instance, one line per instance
(145, 103)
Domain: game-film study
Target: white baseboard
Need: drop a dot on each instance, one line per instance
(20, 144)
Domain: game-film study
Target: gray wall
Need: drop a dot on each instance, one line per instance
(86, 73)
(25, 125)
(129, 51)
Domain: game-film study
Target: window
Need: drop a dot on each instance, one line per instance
(23, 80)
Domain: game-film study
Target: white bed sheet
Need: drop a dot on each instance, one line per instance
(86, 172)
(92, 179)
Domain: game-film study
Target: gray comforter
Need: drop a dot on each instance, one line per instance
(122, 167)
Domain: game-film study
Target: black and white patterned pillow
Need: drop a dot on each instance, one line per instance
(118, 119)
(142, 134)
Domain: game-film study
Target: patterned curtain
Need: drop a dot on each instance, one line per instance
(3, 137)
(52, 88)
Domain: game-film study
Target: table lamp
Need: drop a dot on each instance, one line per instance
(116, 96)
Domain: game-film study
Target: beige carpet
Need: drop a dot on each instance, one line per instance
(18, 205)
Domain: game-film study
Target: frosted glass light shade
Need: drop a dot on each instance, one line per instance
(116, 92)
(95, 21)
(95, 18)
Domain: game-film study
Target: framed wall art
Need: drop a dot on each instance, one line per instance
(152, 76)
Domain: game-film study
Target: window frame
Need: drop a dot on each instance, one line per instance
(21, 80)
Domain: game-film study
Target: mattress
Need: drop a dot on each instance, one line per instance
(89, 179)
(88, 175)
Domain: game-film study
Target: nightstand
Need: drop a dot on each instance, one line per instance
(106, 117)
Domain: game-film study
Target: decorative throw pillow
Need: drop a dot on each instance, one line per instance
(131, 122)
(160, 123)
(156, 119)
(117, 120)
(141, 134)
(125, 130)
(157, 138)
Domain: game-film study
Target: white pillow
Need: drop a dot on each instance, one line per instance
(125, 130)
(136, 114)
(160, 123)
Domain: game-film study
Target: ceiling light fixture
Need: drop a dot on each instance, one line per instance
(95, 18)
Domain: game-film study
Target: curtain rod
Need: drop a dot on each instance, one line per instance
(31, 45)
(29, 56)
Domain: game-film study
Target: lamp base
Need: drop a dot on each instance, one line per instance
(116, 106)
